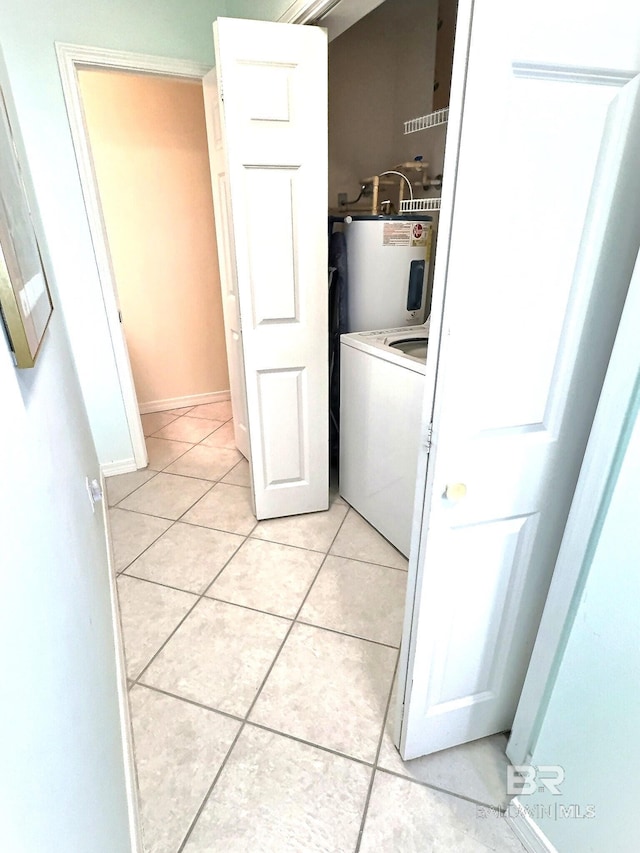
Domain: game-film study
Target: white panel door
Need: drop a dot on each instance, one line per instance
(272, 83)
(535, 255)
(226, 261)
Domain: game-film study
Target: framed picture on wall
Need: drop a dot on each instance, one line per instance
(25, 301)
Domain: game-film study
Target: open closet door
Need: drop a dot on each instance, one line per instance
(535, 285)
(272, 84)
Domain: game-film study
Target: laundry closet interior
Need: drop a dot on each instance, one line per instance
(389, 83)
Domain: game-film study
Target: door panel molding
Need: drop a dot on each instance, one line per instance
(572, 74)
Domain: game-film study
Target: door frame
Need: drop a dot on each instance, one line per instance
(71, 59)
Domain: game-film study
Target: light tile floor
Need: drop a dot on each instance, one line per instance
(261, 659)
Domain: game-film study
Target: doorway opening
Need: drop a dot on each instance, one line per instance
(149, 151)
(75, 61)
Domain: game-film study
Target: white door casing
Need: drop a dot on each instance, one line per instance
(72, 58)
(527, 329)
(272, 82)
(226, 259)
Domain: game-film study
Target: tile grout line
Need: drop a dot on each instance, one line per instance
(310, 743)
(256, 697)
(371, 562)
(180, 418)
(163, 470)
(251, 533)
(346, 634)
(194, 443)
(255, 725)
(433, 787)
(212, 483)
(191, 609)
(239, 462)
(201, 595)
(221, 481)
(122, 571)
(380, 534)
(124, 497)
(223, 764)
(170, 527)
(173, 521)
(191, 446)
(365, 810)
(204, 417)
(186, 699)
(186, 415)
(193, 476)
(376, 766)
(155, 473)
(165, 413)
(253, 609)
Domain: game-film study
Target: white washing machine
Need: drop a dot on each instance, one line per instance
(381, 390)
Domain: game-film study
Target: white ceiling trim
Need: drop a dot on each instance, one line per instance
(336, 15)
(305, 11)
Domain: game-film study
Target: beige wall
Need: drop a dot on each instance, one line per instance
(149, 147)
(380, 75)
(447, 13)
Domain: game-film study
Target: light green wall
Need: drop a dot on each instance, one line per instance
(259, 10)
(590, 727)
(62, 782)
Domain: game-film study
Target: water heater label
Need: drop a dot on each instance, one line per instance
(405, 234)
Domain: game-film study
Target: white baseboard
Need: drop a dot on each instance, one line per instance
(120, 466)
(527, 830)
(126, 731)
(183, 402)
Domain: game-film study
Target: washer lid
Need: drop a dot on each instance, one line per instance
(381, 217)
(387, 344)
(415, 347)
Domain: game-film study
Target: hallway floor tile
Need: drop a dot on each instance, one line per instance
(262, 657)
